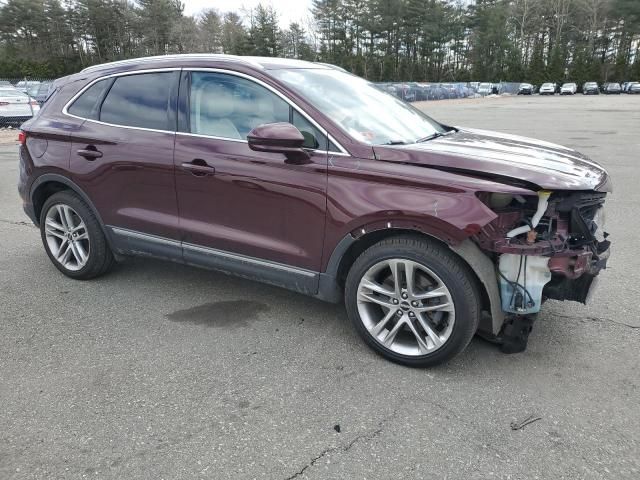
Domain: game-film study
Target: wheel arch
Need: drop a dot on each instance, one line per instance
(481, 268)
(50, 183)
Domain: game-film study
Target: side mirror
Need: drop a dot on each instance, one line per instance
(279, 137)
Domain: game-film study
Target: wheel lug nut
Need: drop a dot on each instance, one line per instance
(399, 312)
(411, 314)
(404, 295)
(395, 301)
(415, 304)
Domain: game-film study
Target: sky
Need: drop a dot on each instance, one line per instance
(288, 10)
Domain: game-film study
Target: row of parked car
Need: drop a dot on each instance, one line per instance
(418, 91)
(588, 88)
(21, 100)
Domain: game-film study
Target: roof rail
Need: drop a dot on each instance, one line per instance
(186, 56)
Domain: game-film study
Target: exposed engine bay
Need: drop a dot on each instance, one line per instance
(547, 247)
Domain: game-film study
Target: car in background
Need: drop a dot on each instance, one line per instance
(387, 87)
(16, 107)
(41, 92)
(525, 89)
(5, 83)
(548, 89)
(25, 85)
(634, 88)
(485, 88)
(590, 88)
(612, 88)
(568, 89)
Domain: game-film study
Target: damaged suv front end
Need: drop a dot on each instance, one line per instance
(547, 237)
(551, 246)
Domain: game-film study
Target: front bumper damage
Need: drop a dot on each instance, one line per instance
(552, 247)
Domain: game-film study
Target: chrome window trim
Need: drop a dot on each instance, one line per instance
(342, 152)
(105, 77)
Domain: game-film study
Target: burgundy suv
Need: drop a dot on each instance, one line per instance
(303, 176)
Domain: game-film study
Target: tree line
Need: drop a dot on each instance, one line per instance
(382, 40)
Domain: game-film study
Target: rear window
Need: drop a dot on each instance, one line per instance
(86, 105)
(139, 101)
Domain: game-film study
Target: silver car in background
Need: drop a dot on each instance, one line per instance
(16, 107)
(548, 89)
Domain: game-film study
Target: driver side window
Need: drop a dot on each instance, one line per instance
(230, 107)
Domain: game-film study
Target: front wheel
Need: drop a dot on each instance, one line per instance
(413, 301)
(73, 238)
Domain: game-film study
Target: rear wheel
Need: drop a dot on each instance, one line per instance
(412, 300)
(73, 238)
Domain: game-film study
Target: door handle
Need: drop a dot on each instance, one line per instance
(198, 167)
(90, 153)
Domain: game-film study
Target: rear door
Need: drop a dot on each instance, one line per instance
(122, 155)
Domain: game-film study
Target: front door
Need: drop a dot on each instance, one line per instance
(238, 203)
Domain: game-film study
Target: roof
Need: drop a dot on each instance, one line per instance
(266, 63)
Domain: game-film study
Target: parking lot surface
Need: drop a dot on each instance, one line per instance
(163, 371)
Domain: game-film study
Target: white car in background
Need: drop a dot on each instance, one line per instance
(16, 107)
(485, 89)
(568, 89)
(548, 89)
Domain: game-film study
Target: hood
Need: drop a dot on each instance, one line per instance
(547, 165)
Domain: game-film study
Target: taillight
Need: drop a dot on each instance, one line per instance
(4, 104)
(22, 137)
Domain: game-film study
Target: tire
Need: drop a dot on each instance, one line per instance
(434, 266)
(90, 239)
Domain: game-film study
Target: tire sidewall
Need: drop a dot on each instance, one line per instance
(71, 200)
(464, 296)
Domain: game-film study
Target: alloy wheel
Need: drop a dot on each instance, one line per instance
(67, 237)
(405, 307)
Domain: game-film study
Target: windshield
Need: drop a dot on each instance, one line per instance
(355, 105)
(547, 85)
(485, 85)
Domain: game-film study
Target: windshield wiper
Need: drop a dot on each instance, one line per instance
(436, 135)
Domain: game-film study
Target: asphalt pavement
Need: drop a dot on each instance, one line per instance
(161, 371)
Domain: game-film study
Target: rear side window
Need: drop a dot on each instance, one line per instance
(86, 105)
(141, 100)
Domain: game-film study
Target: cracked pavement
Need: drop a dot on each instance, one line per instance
(162, 371)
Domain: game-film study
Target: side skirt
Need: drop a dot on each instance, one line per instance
(129, 242)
